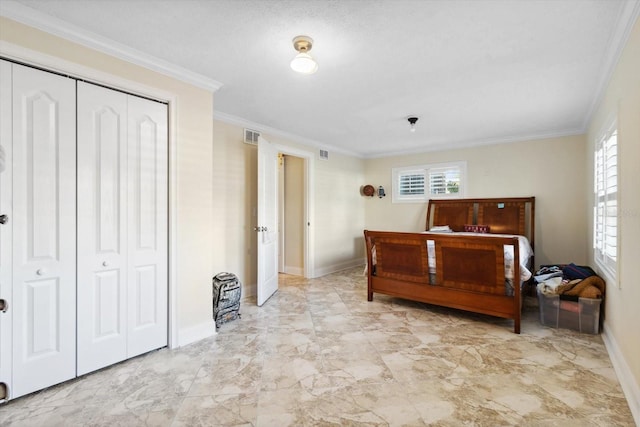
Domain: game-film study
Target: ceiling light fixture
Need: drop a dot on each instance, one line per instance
(412, 121)
(303, 62)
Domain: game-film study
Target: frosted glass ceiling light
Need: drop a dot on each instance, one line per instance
(303, 62)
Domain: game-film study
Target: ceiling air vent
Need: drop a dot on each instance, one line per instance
(324, 155)
(251, 136)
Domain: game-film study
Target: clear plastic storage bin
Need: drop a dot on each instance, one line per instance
(582, 315)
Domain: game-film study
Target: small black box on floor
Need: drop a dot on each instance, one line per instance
(226, 298)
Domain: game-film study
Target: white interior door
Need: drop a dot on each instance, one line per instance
(147, 226)
(6, 225)
(122, 224)
(267, 220)
(121, 309)
(44, 230)
(102, 227)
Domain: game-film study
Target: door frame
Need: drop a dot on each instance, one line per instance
(309, 203)
(6, 243)
(281, 218)
(57, 65)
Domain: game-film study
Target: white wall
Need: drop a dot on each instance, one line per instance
(552, 170)
(622, 99)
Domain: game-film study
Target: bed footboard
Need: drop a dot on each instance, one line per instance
(466, 272)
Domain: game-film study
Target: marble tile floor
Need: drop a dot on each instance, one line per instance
(318, 354)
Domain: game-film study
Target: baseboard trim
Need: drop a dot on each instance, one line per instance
(195, 333)
(323, 271)
(627, 381)
(249, 291)
(296, 271)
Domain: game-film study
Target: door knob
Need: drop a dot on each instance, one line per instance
(40, 271)
(105, 264)
(4, 219)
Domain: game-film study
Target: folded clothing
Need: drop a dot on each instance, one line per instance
(555, 286)
(550, 286)
(567, 271)
(548, 269)
(572, 271)
(591, 287)
(548, 272)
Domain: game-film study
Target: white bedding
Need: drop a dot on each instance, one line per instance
(524, 249)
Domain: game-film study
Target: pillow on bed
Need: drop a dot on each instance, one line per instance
(473, 228)
(441, 229)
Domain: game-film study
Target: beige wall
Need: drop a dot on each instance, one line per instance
(294, 214)
(234, 195)
(339, 213)
(194, 153)
(622, 99)
(337, 217)
(552, 170)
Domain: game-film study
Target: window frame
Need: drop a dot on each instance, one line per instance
(425, 170)
(606, 203)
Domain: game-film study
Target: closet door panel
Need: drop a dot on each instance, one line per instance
(147, 234)
(102, 227)
(44, 237)
(6, 269)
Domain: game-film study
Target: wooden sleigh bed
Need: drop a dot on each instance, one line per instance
(477, 272)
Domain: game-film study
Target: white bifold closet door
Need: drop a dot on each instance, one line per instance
(60, 318)
(43, 224)
(122, 226)
(148, 226)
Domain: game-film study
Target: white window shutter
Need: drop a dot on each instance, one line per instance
(412, 183)
(605, 212)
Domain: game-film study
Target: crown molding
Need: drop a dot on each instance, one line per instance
(624, 24)
(239, 121)
(446, 146)
(33, 18)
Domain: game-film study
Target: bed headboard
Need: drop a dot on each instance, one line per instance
(510, 215)
(454, 213)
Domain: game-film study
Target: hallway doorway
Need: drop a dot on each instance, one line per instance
(291, 218)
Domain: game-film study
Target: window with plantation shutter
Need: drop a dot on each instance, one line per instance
(411, 183)
(444, 180)
(605, 209)
(424, 182)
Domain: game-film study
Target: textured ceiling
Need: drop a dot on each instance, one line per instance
(474, 72)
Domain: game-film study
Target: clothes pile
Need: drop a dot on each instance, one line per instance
(570, 280)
